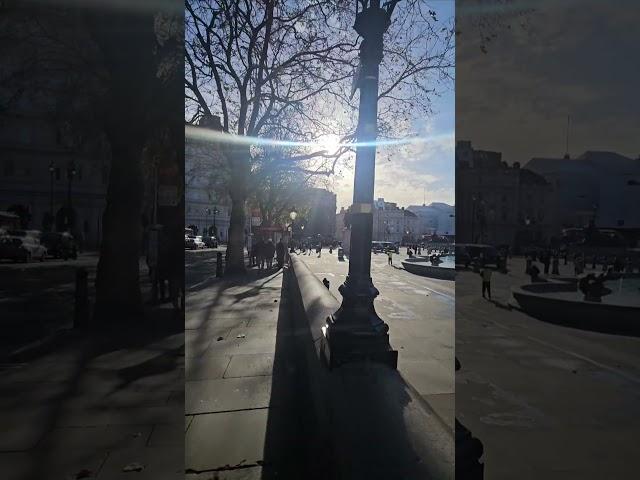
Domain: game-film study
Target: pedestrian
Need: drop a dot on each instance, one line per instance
(389, 257)
(280, 249)
(528, 265)
(319, 249)
(325, 282)
(486, 282)
(546, 261)
(260, 248)
(269, 252)
(534, 271)
(555, 270)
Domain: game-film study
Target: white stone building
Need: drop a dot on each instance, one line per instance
(203, 167)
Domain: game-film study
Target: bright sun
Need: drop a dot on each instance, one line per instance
(330, 143)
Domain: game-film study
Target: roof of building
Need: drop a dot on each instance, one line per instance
(591, 161)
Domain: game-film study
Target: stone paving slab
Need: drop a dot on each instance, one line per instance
(160, 463)
(250, 473)
(231, 438)
(16, 465)
(257, 339)
(207, 367)
(164, 435)
(18, 433)
(250, 365)
(228, 394)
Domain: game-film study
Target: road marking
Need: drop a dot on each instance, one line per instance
(616, 371)
(620, 373)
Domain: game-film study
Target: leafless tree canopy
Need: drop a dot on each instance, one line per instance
(284, 69)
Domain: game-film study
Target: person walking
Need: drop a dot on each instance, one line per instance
(319, 249)
(486, 273)
(270, 250)
(546, 262)
(280, 253)
(389, 257)
(260, 247)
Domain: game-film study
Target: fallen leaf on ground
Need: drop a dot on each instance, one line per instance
(133, 467)
(220, 338)
(84, 473)
(242, 335)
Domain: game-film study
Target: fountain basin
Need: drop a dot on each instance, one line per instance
(561, 302)
(421, 266)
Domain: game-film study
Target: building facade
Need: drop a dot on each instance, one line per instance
(500, 204)
(322, 213)
(57, 184)
(205, 207)
(599, 187)
(435, 218)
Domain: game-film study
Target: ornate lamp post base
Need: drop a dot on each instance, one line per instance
(356, 332)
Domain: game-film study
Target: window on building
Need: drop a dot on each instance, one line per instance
(9, 168)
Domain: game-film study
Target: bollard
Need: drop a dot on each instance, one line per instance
(81, 312)
(219, 268)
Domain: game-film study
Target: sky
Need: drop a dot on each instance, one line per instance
(576, 58)
(422, 172)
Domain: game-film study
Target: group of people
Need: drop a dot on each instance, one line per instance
(262, 253)
(308, 249)
(550, 259)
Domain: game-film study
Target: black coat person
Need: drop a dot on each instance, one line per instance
(269, 252)
(280, 253)
(259, 253)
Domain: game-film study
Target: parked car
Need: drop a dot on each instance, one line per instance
(198, 241)
(21, 249)
(462, 256)
(210, 241)
(478, 253)
(60, 245)
(190, 242)
(382, 247)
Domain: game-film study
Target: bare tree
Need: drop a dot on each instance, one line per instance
(482, 21)
(284, 69)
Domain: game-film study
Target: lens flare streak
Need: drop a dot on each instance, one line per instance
(199, 133)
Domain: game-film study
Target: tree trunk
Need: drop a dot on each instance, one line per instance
(126, 41)
(240, 169)
(117, 280)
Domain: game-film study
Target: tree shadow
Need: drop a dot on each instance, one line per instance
(71, 396)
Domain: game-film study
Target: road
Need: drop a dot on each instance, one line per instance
(420, 315)
(547, 401)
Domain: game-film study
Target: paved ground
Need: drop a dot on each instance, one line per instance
(420, 314)
(36, 299)
(241, 417)
(86, 403)
(547, 401)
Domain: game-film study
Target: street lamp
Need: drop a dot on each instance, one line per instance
(355, 331)
(71, 172)
(215, 229)
(292, 215)
(52, 169)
